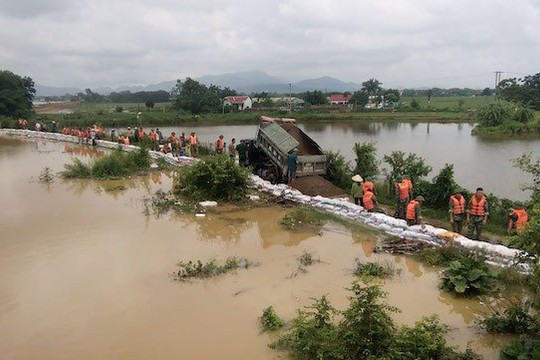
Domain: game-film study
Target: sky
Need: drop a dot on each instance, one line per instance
(403, 43)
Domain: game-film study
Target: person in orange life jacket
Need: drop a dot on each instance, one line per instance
(477, 214)
(456, 209)
(356, 189)
(368, 186)
(407, 181)
(194, 144)
(402, 197)
(369, 201)
(414, 212)
(518, 219)
(220, 144)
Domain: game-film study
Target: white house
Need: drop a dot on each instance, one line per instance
(238, 102)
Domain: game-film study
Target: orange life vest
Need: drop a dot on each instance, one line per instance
(368, 186)
(403, 190)
(411, 210)
(367, 199)
(477, 207)
(458, 205)
(522, 218)
(220, 144)
(193, 140)
(407, 182)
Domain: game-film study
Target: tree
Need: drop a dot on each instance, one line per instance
(389, 92)
(366, 159)
(16, 95)
(525, 91)
(359, 99)
(91, 97)
(149, 104)
(372, 87)
(486, 92)
(190, 95)
(403, 164)
(316, 97)
(415, 104)
(338, 170)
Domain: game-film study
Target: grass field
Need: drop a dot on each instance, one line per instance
(452, 102)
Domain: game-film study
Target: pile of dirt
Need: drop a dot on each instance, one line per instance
(307, 145)
(55, 107)
(317, 185)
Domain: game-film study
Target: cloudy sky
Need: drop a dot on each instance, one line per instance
(406, 43)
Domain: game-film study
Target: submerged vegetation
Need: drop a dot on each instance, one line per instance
(214, 178)
(117, 164)
(365, 330)
(270, 321)
(46, 176)
(468, 277)
(373, 269)
(211, 268)
(303, 218)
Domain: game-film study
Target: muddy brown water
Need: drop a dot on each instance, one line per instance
(84, 271)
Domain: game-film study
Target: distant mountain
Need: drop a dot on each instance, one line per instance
(243, 82)
(327, 83)
(42, 90)
(240, 80)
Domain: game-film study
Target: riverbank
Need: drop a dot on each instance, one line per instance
(164, 117)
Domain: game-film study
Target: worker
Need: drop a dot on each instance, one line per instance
(242, 151)
(131, 134)
(414, 211)
(160, 136)
(369, 201)
(456, 209)
(194, 144)
(291, 168)
(220, 145)
(232, 148)
(407, 181)
(356, 189)
(154, 138)
(477, 214)
(518, 219)
(141, 134)
(368, 186)
(402, 198)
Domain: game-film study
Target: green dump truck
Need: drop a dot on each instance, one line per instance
(276, 138)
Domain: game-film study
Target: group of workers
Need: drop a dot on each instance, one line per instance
(409, 208)
(241, 150)
(86, 136)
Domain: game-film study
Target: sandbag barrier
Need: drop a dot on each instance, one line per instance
(498, 255)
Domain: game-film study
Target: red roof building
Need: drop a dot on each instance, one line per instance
(339, 99)
(239, 102)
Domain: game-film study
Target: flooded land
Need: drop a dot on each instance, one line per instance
(84, 270)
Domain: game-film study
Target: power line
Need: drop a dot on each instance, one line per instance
(497, 80)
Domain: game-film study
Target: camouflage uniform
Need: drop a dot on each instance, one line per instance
(476, 223)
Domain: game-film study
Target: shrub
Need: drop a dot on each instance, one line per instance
(210, 268)
(441, 256)
(119, 109)
(522, 115)
(214, 178)
(415, 104)
(114, 165)
(338, 170)
(366, 159)
(494, 114)
(270, 320)
(522, 349)
(468, 277)
(515, 319)
(441, 187)
(372, 269)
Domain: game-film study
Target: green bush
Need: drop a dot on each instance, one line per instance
(515, 319)
(214, 178)
(210, 268)
(441, 256)
(522, 349)
(338, 170)
(114, 165)
(522, 115)
(403, 164)
(372, 269)
(494, 114)
(366, 331)
(367, 164)
(270, 320)
(468, 277)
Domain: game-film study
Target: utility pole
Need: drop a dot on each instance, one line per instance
(497, 80)
(290, 97)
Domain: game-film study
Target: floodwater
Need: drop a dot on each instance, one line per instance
(478, 161)
(84, 271)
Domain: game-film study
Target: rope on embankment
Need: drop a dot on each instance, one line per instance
(499, 255)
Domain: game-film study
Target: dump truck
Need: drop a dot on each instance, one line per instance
(276, 138)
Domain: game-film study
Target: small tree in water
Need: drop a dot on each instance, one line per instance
(366, 159)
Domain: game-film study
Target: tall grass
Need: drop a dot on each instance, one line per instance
(114, 165)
